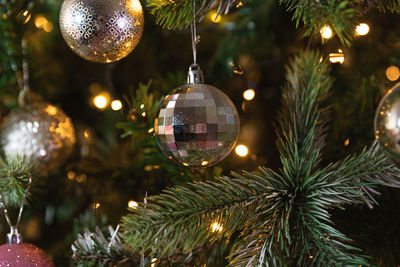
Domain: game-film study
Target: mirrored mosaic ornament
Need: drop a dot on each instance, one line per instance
(41, 132)
(387, 124)
(197, 125)
(23, 255)
(102, 30)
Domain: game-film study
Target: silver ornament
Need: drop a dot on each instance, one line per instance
(41, 132)
(197, 125)
(102, 30)
(387, 124)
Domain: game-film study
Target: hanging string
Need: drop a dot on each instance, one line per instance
(193, 30)
(21, 209)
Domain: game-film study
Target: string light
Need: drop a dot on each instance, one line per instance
(393, 73)
(71, 175)
(96, 205)
(249, 94)
(242, 150)
(362, 29)
(326, 32)
(153, 262)
(337, 57)
(42, 23)
(216, 227)
(142, 106)
(215, 17)
(132, 204)
(150, 130)
(101, 100)
(346, 142)
(116, 105)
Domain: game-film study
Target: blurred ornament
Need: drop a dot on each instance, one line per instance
(40, 131)
(23, 255)
(197, 125)
(102, 30)
(387, 124)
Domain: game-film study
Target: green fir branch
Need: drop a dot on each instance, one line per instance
(15, 172)
(172, 14)
(283, 218)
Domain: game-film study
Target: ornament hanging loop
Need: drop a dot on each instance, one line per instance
(193, 31)
(14, 236)
(195, 75)
(23, 96)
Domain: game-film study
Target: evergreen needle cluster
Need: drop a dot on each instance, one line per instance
(282, 217)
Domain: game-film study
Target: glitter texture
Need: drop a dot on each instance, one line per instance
(40, 131)
(102, 30)
(387, 124)
(197, 125)
(23, 255)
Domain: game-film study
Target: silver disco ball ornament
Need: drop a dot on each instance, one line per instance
(41, 132)
(387, 124)
(102, 30)
(197, 125)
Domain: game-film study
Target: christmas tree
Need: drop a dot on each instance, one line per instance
(85, 86)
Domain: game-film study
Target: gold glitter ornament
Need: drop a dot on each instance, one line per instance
(102, 30)
(41, 132)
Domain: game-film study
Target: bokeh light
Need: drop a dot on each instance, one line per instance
(362, 29)
(249, 94)
(116, 105)
(326, 32)
(242, 150)
(132, 204)
(393, 73)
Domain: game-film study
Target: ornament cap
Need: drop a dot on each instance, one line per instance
(195, 75)
(14, 237)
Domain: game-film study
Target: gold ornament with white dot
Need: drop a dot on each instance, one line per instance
(41, 132)
(102, 31)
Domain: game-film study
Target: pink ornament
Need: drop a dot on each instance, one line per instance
(23, 255)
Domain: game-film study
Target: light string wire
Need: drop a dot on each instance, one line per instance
(193, 31)
(21, 209)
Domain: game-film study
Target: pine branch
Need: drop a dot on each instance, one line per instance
(14, 177)
(302, 123)
(283, 218)
(94, 249)
(188, 216)
(178, 14)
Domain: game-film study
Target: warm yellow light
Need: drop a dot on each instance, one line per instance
(40, 21)
(204, 163)
(132, 204)
(216, 227)
(362, 29)
(150, 130)
(116, 105)
(48, 27)
(393, 73)
(153, 262)
(326, 32)
(242, 150)
(101, 100)
(215, 17)
(249, 94)
(142, 106)
(95, 206)
(51, 110)
(143, 114)
(337, 57)
(71, 175)
(346, 142)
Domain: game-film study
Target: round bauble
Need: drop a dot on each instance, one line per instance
(197, 125)
(23, 255)
(41, 132)
(387, 124)
(102, 30)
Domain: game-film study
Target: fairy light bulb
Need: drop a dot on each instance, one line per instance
(242, 150)
(249, 94)
(116, 105)
(362, 29)
(326, 32)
